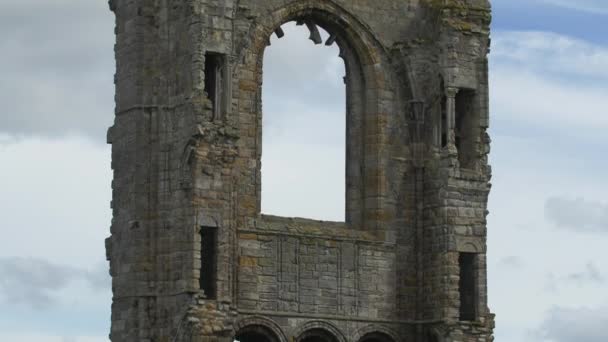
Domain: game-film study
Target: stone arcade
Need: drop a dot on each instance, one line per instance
(191, 256)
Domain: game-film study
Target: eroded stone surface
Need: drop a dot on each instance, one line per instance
(186, 156)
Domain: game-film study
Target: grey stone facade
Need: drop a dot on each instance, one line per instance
(191, 256)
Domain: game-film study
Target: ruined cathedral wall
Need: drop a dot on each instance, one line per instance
(457, 182)
(156, 151)
(315, 268)
(298, 271)
(183, 169)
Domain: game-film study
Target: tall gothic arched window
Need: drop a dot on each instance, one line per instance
(304, 125)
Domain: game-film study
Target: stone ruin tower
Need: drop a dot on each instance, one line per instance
(193, 259)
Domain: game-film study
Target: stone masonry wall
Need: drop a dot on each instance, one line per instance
(290, 265)
(416, 195)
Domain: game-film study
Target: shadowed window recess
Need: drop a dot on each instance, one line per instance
(317, 335)
(467, 286)
(466, 120)
(216, 84)
(256, 333)
(208, 272)
(376, 337)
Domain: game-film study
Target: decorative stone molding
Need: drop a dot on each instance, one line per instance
(321, 325)
(261, 321)
(470, 244)
(376, 328)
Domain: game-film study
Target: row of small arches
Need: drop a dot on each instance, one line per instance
(265, 330)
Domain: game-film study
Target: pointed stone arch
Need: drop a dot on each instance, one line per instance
(376, 332)
(320, 329)
(371, 99)
(260, 326)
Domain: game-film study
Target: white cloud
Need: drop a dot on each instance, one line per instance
(565, 324)
(36, 283)
(550, 53)
(56, 200)
(530, 97)
(56, 215)
(589, 274)
(38, 337)
(550, 81)
(536, 156)
(523, 247)
(57, 68)
(591, 6)
(578, 215)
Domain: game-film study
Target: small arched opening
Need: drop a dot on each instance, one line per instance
(376, 337)
(317, 335)
(256, 333)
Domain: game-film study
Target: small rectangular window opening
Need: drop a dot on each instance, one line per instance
(467, 286)
(208, 274)
(215, 82)
(465, 127)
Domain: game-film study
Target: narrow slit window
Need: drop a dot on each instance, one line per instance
(215, 75)
(208, 274)
(467, 286)
(465, 127)
(444, 122)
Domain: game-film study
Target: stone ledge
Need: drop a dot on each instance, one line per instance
(300, 227)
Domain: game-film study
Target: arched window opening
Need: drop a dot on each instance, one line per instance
(317, 335)
(255, 333)
(376, 337)
(304, 125)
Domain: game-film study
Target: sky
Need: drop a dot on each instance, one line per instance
(548, 222)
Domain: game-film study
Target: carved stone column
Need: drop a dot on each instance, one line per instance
(451, 93)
